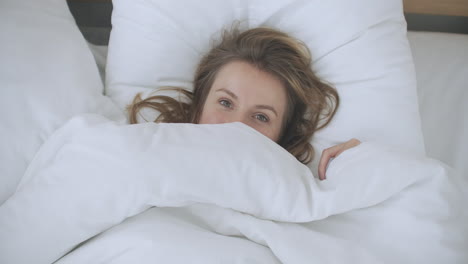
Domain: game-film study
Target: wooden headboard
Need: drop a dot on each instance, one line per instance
(437, 7)
(437, 15)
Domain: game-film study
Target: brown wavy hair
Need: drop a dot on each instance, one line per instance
(311, 104)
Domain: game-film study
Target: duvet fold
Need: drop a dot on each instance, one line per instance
(94, 176)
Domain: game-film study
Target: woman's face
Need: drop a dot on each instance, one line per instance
(243, 93)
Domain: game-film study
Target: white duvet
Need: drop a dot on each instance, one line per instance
(100, 192)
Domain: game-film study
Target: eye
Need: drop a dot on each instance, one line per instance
(225, 103)
(262, 118)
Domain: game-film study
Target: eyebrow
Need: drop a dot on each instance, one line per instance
(233, 95)
(267, 107)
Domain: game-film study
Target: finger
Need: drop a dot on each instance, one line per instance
(322, 164)
(333, 152)
(347, 145)
(327, 154)
(353, 143)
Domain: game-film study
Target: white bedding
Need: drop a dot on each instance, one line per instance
(441, 62)
(97, 192)
(47, 76)
(378, 206)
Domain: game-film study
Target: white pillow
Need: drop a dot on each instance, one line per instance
(47, 75)
(358, 46)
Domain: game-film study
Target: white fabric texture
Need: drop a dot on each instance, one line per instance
(48, 75)
(360, 47)
(93, 174)
(441, 61)
(441, 73)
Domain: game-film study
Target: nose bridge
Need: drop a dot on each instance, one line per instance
(240, 116)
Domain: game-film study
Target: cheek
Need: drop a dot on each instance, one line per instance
(273, 131)
(269, 132)
(209, 116)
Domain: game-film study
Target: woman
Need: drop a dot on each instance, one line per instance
(263, 78)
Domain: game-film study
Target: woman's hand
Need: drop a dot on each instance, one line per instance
(333, 152)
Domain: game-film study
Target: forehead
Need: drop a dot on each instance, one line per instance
(250, 84)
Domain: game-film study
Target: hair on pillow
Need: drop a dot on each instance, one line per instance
(359, 47)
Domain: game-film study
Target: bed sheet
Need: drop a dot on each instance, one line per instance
(441, 61)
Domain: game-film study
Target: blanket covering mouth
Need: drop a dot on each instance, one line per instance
(184, 193)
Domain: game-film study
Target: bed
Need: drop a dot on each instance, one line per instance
(73, 191)
(441, 72)
(434, 53)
